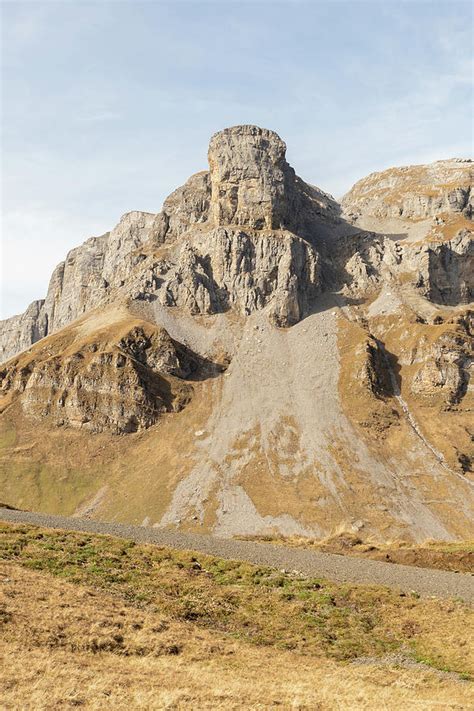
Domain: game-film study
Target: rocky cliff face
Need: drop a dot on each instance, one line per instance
(236, 236)
(252, 184)
(248, 234)
(443, 375)
(185, 207)
(19, 332)
(419, 220)
(440, 270)
(89, 274)
(414, 192)
(118, 379)
(214, 270)
(347, 394)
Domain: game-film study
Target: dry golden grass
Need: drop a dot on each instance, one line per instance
(68, 646)
(387, 432)
(253, 603)
(100, 622)
(61, 469)
(452, 225)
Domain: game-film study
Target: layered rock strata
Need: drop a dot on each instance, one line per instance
(117, 382)
(248, 234)
(346, 398)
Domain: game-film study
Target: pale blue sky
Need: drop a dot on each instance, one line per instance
(108, 106)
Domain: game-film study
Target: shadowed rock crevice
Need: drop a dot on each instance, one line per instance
(451, 271)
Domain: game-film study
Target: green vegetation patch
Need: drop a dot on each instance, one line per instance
(253, 603)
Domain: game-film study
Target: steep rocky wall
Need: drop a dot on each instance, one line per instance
(215, 270)
(185, 207)
(441, 271)
(445, 366)
(86, 278)
(19, 332)
(249, 184)
(252, 184)
(248, 235)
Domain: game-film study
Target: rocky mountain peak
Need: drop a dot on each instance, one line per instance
(307, 364)
(249, 234)
(251, 182)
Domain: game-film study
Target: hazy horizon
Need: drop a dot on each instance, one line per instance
(109, 106)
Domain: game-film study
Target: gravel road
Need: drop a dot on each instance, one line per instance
(426, 582)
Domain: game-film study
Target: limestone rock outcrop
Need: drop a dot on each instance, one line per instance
(86, 278)
(444, 374)
(185, 207)
(215, 270)
(19, 332)
(342, 330)
(249, 234)
(116, 382)
(252, 184)
(93, 270)
(442, 271)
(414, 192)
(240, 235)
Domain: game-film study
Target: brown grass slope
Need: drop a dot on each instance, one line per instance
(140, 627)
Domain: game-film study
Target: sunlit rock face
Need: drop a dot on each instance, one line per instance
(249, 234)
(252, 184)
(414, 192)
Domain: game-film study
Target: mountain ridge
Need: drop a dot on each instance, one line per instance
(188, 206)
(332, 359)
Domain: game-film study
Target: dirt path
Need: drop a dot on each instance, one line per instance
(424, 581)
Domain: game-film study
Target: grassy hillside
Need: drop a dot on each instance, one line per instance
(95, 621)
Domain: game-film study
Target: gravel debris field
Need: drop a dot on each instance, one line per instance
(424, 581)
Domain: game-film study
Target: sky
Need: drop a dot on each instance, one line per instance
(108, 106)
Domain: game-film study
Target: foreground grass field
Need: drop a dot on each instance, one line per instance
(100, 622)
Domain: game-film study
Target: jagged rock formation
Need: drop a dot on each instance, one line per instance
(250, 178)
(19, 332)
(419, 220)
(118, 379)
(185, 207)
(346, 399)
(223, 268)
(81, 282)
(248, 234)
(207, 261)
(442, 271)
(444, 375)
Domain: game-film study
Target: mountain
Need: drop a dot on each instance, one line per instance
(256, 358)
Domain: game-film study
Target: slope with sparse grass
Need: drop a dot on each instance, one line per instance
(125, 614)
